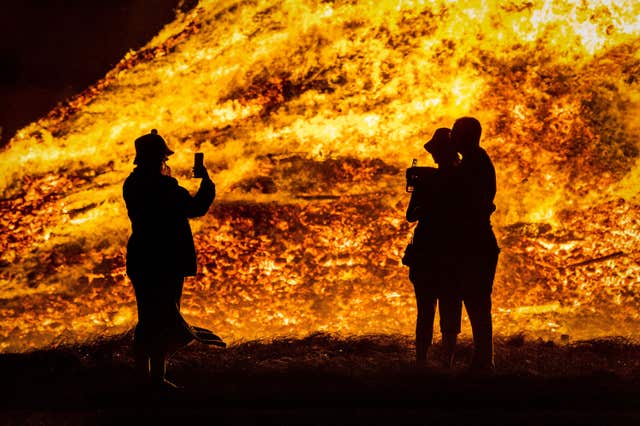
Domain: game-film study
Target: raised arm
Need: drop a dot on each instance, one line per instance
(198, 204)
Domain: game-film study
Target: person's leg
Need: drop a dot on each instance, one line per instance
(449, 341)
(140, 353)
(178, 285)
(140, 334)
(158, 364)
(426, 304)
(478, 307)
(158, 305)
(424, 325)
(450, 309)
(477, 300)
(158, 371)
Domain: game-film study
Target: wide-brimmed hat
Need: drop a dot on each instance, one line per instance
(151, 147)
(441, 140)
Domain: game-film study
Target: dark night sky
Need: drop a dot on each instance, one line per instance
(53, 49)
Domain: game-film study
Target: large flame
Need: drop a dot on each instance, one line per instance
(308, 111)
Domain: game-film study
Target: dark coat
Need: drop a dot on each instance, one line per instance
(477, 192)
(161, 241)
(435, 205)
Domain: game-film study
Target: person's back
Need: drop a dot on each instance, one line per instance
(159, 209)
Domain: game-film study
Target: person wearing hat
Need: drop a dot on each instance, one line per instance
(433, 206)
(160, 253)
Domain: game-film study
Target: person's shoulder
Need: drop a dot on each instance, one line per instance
(486, 159)
(483, 154)
(478, 157)
(134, 173)
(130, 180)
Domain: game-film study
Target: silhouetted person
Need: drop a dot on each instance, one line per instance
(160, 253)
(433, 205)
(477, 252)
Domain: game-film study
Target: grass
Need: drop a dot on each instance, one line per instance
(329, 379)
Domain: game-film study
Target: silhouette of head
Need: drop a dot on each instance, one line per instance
(440, 147)
(151, 149)
(465, 134)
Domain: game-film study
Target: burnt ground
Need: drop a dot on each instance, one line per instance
(326, 379)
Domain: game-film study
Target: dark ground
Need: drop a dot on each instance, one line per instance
(324, 379)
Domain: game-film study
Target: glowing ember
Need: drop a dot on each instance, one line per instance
(308, 112)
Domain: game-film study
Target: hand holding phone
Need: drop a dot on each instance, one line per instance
(199, 170)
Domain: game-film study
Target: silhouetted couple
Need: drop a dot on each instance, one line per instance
(454, 253)
(160, 253)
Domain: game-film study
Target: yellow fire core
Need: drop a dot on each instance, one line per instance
(308, 112)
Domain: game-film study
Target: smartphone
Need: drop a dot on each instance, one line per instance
(198, 164)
